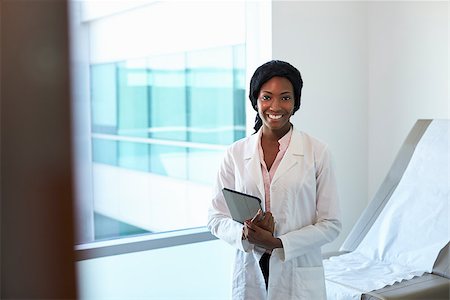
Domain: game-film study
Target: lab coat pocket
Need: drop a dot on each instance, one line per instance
(310, 282)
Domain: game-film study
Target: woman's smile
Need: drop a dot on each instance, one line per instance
(274, 117)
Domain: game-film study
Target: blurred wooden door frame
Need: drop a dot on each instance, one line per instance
(37, 232)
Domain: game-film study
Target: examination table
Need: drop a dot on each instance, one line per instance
(399, 247)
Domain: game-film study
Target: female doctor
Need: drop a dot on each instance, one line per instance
(278, 252)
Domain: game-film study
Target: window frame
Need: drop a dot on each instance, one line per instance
(258, 50)
(144, 242)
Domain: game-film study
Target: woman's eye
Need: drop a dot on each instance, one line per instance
(286, 98)
(265, 97)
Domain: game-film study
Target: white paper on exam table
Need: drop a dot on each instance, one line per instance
(406, 238)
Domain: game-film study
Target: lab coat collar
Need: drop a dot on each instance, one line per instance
(297, 143)
(293, 155)
(253, 163)
(295, 146)
(252, 148)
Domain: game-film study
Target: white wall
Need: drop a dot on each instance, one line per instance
(370, 69)
(408, 75)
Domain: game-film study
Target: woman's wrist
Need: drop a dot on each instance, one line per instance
(277, 243)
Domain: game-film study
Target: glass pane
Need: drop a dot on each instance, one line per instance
(169, 161)
(104, 98)
(133, 155)
(161, 125)
(211, 94)
(168, 97)
(203, 165)
(132, 90)
(104, 151)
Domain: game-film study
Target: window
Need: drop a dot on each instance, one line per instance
(159, 129)
(165, 99)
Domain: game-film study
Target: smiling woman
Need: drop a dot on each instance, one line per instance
(293, 173)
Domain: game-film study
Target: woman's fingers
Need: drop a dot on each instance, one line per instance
(251, 225)
(267, 219)
(258, 217)
(267, 222)
(257, 235)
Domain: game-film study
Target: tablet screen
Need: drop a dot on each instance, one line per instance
(242, 206)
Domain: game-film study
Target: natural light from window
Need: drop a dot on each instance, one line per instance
(164, 95)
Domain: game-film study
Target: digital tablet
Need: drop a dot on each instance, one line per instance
(242, 206)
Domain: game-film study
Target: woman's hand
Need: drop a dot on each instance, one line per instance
(265, 221)
(261, 237)
(260, 232)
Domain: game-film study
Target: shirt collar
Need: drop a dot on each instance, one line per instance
(285, 140)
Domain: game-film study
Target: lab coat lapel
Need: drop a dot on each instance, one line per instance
(293, 155)
(253, 163)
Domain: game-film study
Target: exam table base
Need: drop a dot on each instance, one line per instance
(428, 286)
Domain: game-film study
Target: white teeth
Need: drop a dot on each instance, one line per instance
(275, 116)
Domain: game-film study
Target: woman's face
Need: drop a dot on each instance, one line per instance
(276, 104)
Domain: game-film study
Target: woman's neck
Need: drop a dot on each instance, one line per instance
(275, 135)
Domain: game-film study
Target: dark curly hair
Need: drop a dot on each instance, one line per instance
(274, 68)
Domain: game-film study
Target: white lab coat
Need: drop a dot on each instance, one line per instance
(304, 203)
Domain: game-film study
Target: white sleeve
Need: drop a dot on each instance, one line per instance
(220, 222)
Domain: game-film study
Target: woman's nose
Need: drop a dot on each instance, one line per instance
(275, 104)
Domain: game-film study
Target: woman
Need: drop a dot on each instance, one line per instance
(278, 253)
